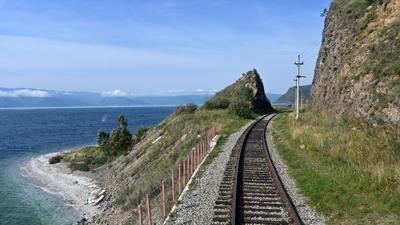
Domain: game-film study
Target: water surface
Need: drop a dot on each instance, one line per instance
(25, 133)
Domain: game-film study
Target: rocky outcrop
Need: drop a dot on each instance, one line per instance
(253, 81)
(249, 88)
(358, 68)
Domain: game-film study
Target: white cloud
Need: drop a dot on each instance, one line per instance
(115, 93)
(25, 93)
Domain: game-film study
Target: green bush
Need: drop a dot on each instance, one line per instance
(217, 103)
(189, 108)
(140, 133)
(55, 159)
(241, 108)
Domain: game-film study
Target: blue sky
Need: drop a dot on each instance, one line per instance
(156, 46)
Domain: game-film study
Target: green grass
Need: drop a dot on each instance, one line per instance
(86, 158)
(349, 172)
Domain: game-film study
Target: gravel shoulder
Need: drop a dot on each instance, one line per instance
(307, 212)
(197, 204)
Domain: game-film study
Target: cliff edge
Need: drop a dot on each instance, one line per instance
(358, 68)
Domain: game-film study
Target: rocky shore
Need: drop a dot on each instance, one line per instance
(75, 188)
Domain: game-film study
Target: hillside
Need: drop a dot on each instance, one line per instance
(249, 89)
(129, 177)
(358, 68)
(289, 96)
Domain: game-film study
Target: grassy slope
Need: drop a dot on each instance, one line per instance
(156, 160)
(351, 173)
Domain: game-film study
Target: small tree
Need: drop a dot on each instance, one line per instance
(120, 139)
(103, 139)
(123, 122)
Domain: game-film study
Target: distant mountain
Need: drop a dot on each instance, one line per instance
(289, 96)
(29, 97)
(273, 97)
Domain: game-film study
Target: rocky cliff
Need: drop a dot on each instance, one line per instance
(358, 68)
(249, 88)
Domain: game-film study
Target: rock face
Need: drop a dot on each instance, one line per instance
(253, 81)
(289, 96)
(358, 68)
(249, 88)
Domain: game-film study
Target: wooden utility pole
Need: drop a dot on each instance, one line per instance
(299, 63)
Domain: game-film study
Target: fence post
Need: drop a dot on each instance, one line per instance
(184, 173)
(150, 222)
(179, 178)
(140, 220)
(208, 144)
(163, 198)
(192, 168)
(188, 167)
(196, 156)
(173, 186)
(202, 151)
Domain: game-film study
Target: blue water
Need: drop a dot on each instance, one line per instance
(25, 133)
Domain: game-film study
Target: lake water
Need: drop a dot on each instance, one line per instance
(25, 133)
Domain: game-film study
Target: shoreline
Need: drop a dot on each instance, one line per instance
(74, 188)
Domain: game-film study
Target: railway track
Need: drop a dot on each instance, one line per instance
(251, 191)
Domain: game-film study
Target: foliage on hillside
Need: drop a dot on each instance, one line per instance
(350, 172)
(110, 146)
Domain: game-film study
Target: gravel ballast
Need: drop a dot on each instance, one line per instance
(197, 205)
(307, 212)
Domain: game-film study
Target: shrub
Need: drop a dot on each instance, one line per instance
(55, 159)
(217, 103)
(189, 108)
(241, 108)
(141, 131)
(103, 140)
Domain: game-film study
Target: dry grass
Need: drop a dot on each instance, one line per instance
(350, 172)
(373, 151)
